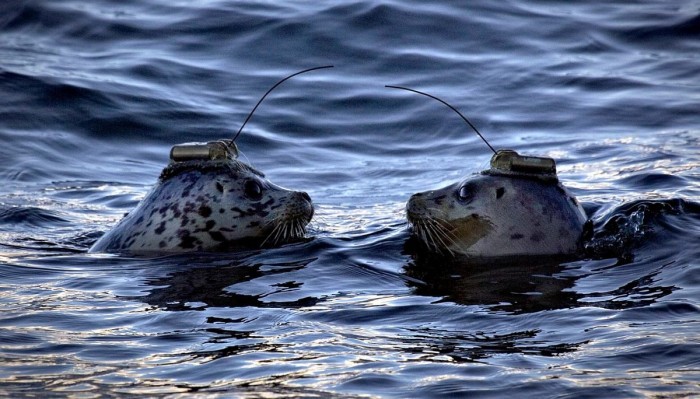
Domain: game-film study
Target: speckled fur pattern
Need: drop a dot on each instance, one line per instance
(490, 216)
(204, 206)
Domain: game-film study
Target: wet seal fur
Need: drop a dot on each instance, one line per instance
(504, 211)
(210, 205)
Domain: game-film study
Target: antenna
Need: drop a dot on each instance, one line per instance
(273, 88)
(451, 107)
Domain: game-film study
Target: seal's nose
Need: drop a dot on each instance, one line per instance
(304, 204)
(415, 206)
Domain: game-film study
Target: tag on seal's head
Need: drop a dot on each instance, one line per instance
(223, 149)
(510, 163)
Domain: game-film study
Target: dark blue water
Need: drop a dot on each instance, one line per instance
(94, 93)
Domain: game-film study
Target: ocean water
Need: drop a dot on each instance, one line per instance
(94, 93)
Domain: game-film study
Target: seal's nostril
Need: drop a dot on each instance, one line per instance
(416, 201)
(305, 196)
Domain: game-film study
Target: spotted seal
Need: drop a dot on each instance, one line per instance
(216, 203)
(517, 207)
(207, 200)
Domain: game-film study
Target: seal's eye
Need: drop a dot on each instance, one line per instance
(252, 190)
(464, 193)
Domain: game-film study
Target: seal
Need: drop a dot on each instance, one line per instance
(517, 207)
(208, 200)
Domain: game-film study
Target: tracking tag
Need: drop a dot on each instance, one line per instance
(510, 162)
(212, 151)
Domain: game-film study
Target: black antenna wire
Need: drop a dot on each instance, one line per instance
(250, 115)
(451, 107)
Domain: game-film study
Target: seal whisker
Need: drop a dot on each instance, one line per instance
(440, 243)
(417, 230)
(281, 232)
(429, 234)
(271, 232)
(419, 226)
(444, 223)
(287, 230)
(295, 229)
(445, 229)
(440, 235)
(430, 238)
(298, 233)
(275, 238)
(269, 222)
(300, 228)
(290, 230)
(438, 210)
(447, 237)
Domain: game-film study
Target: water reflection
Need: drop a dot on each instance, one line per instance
(471, 347)
(205, 286)
(516, 286)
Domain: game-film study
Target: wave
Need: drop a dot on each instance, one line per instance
(31, 217)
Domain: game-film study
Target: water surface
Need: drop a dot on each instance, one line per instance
(95, 93)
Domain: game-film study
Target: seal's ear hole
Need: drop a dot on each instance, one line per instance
(252, 190)
(499, 192)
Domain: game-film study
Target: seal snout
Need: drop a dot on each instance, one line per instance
(416, 208)
(299, 207)
(291, 221)
(307, 205)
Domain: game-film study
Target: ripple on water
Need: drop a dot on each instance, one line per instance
(94, 96)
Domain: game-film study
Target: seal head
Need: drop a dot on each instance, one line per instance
(517, 207)
(207, 200)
